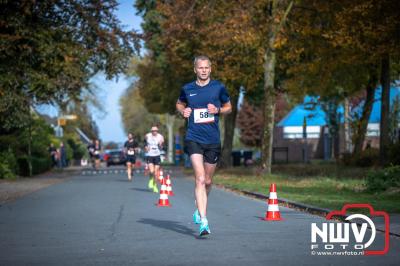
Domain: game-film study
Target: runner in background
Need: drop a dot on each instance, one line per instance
(90, 149)
(130, 149)
(154, 143)
(96, 154)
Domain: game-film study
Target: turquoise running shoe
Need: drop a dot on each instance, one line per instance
(204, 229)
(196, 217)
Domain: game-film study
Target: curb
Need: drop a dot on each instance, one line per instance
(291, 204)
(295, 205)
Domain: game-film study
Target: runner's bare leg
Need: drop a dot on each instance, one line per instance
(129, 170)
(200, 184)
(151, 170)
(132, 169)
(156, 170)
(152, 174)
(209, 173)
(97, 163)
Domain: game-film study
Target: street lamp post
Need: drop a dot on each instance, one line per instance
(62, 121)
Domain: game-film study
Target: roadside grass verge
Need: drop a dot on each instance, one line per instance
(330, 190)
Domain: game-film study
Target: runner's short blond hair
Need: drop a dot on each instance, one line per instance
(201, 57)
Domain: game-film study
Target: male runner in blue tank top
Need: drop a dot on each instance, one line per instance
(202, 102)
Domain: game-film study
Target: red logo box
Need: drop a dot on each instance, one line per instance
(372, 212)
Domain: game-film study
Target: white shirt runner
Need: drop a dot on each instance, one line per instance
(153, 143)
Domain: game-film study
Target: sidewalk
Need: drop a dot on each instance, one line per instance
(13, 189)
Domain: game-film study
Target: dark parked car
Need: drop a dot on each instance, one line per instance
(115, 157)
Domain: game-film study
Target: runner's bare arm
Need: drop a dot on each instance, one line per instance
(226, 108)
(182, 109)
(180, 106)
(146, 146)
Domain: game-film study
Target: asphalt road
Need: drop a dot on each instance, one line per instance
(102, 219)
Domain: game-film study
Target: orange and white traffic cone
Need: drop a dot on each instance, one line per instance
(163, 201)
(169, 186)
(273, 213)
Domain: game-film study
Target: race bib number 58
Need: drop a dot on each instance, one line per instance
(201, 115)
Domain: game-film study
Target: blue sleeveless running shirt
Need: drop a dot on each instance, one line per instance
(203, 127)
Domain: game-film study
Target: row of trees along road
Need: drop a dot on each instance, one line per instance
(326, 48)
(50, 49)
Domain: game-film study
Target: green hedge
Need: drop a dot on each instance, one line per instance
(367, 158)
(5, 171)
(78, 150)
(39, 165)
(381, 180)
(8, 165)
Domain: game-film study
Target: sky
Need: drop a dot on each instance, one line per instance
(110, 126)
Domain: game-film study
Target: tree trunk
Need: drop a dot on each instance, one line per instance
(170, 119)
(347, 137)
(384, 140)
(30, 168)
(277, 19)
(269, 108)
(362, 124)
(229, 132)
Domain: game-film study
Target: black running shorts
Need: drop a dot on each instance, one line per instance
(131, 159)
(210, 152)
(156, 160)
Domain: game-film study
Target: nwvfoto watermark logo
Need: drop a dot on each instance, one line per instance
(348, 238)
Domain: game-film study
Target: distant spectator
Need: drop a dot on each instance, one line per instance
(97, 151)
(63, 155)
(53, 155)
(58, 158)
(91, 149)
